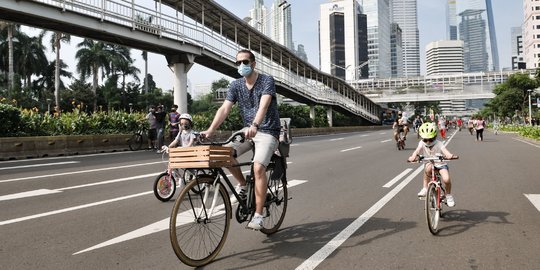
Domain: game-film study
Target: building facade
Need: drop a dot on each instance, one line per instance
(378, 29)
(467, 17)
(518, 62)
(396, 50)
(281, 27)
(343, 39)
(405, 14)
(444, 56)
(531, 33)
(258, 18)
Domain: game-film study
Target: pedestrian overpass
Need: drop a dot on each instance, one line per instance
(188, 32)
(463, 86)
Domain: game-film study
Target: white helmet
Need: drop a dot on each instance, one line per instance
(186, 116)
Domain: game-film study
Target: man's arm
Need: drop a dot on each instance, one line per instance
(259, 117)
(220, 116)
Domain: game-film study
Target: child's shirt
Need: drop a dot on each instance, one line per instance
(437, 149)
(185, 137)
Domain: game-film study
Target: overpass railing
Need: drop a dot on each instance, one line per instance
(166, 22)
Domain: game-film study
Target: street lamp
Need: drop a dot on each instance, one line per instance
(530, 110)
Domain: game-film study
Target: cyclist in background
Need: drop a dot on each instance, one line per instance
(400, 125)
(417, 123)
(152, 128)
(442, 127)
(430, 147)
(173, 122)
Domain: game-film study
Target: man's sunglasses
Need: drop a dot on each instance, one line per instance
(427, 140)
(245, 62)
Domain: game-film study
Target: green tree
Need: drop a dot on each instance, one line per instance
(93, 57)
(31, 57)
(56, 42)
(511, 96)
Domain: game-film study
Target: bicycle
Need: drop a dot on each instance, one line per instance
(136, 140)
(401, 140)
(200, 222)
(167, 182)
(436, 194)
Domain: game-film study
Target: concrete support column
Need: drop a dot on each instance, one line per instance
(329, 115)
(312, 112)
(180, 64)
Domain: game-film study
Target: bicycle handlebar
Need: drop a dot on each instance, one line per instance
(436, 158)
(237, 136)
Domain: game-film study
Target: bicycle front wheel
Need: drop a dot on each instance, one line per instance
(164, 186)
(200, 221)
(432, 209)
(275, 206)
(135, 142)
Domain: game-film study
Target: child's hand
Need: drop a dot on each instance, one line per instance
(411, 159)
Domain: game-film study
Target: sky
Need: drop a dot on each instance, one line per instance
(305, 16)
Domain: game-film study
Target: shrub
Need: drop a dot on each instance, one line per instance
(10, 117)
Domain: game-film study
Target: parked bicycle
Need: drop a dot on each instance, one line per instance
(200, 221)
(435, 196)
(136, 140)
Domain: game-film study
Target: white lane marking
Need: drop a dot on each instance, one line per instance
(535, 200)
(364, 135)
(294, 144)
(48, 191)
(38, 165)
(529, 143)
(26, 194)
(386, 140)
(79, 172)
(336, 139)
(397, 178)
(11, 221)
(159, 226)
(350, 149)
(382, 133)
(337, 241)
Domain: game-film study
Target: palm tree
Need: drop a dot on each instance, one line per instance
(122, 63)
(93, 56)
(31, 57)
(10, 27)
(48, 79)
(56, 38)
(145, 58)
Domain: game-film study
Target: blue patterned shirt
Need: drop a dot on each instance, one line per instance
(248, 102)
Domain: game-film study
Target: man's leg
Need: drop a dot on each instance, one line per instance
(261, 184)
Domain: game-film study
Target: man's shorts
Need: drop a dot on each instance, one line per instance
(265, 146)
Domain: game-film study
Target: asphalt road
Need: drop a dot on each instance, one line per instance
(354, 206)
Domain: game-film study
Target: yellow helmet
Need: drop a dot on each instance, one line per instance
(428, 130)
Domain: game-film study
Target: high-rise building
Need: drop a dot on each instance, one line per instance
(444, 56)
(396, 51)
(404, 13)
(301, 53)
(378, 30)
(343, 40)
(258, 18)
(478, 13)
(518, 61)
(531, 34)
(281, 30)
(451, 20)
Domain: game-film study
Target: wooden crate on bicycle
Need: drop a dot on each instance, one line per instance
(206, 156)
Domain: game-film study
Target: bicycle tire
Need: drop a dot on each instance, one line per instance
(275, 206)
(135, 142)
(200, 223)
(432, 209)
(164, 188)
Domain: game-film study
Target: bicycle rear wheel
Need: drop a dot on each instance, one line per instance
(432, 209)
(164, 186)
(135, 142)
(275, 206)
(200, 222)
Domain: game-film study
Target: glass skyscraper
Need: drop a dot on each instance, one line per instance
(404, 13)
(378, 30)
(475, 24)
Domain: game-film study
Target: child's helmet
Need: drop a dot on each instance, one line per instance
(186, 116)
(427, 130)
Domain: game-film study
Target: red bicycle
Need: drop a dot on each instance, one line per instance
(436, 194)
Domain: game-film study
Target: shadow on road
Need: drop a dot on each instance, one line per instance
(304, 240)
(463, 220)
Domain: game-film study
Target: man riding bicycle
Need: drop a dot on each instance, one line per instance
(400, 125)
(255, 95)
